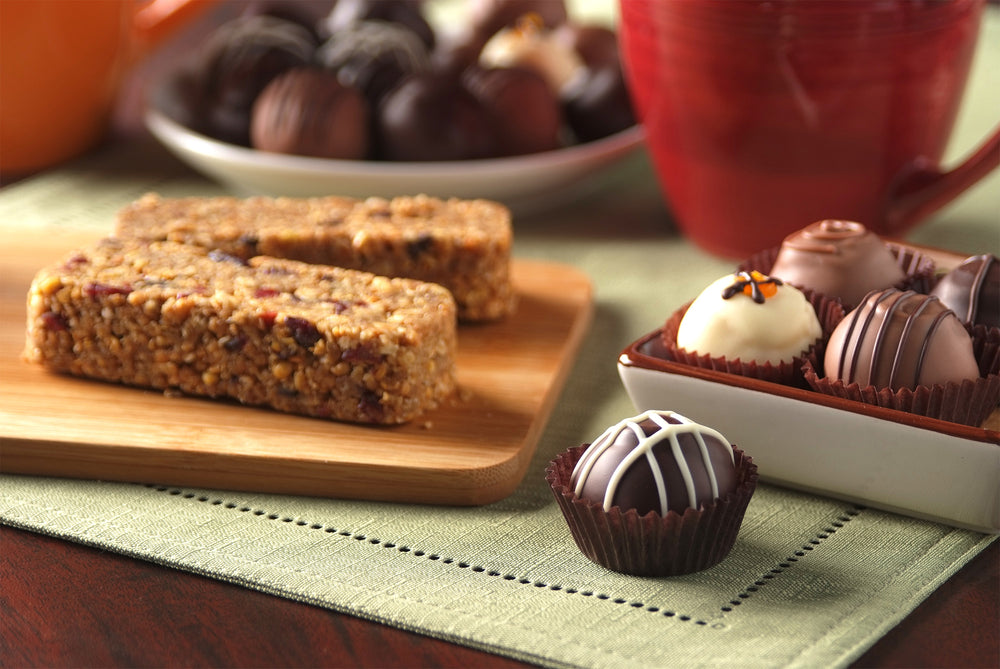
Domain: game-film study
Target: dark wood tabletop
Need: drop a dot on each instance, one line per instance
(67, 605)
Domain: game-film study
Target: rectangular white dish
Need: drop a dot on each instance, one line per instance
(882, 458)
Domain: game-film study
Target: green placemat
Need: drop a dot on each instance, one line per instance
(811, 581)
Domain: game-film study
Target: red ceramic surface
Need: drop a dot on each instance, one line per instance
(763, 117)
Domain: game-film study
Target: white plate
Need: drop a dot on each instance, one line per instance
(533, 182)
(883, 458)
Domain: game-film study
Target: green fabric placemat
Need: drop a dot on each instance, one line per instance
(811, 581)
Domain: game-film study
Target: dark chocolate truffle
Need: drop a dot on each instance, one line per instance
(596, 44)
(525, 110)
(597, 103)
(242, 57)
(658, 461)
(900, 339)
(405, 13)
(841, 259)
(433, 117)
(972, 290)
(373, 56)
(308, 112)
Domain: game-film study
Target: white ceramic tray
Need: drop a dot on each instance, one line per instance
(882, 458)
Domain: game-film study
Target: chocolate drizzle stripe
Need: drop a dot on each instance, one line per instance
(902, 344)
(662, 493)
(978, 281)
(882, 332)
(931, 330)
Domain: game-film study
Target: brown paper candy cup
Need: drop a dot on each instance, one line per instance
(969, 402)
(652, 545)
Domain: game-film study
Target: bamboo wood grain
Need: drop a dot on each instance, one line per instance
(473, 451)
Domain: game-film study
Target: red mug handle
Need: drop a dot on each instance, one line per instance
(925, 187)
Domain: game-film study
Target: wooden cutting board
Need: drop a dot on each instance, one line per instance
(473, 451)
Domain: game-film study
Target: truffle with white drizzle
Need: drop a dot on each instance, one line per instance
(657, 461)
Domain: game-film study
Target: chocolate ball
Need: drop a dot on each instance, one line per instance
(307, 13)
(242, 57)
(972, 290)
(308, 112)
(597, 45)
(841, 259)
(433, 117)
(597, 103)
(373, 56)
(658, 461)
(900, 339)
(525, 111)
(405, 13)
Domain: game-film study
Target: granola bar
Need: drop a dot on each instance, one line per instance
(464, 245)
(302, 338)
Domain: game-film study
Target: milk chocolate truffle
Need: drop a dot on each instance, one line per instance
(433, 117)
(242, 57)
(308, 112)
(373, 56)
(750, 317)
(841, 259)
(658, 461)
(972, 291)
(525, 111)
(900, 339)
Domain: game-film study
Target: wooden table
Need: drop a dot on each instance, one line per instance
(66, 605)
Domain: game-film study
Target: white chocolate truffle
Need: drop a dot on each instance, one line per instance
(749, 316)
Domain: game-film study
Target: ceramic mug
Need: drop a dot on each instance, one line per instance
(764, 116)
(61, 62)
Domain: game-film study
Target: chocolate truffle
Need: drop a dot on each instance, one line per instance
(750, 317)
(242, 57)
(525, 111)
(900, 339)
(533, 46)
(841, 259)
(597, 103)
(373, 56)
(597, 45)
(972, 290)
(433, 117)
(404, 13)
(658, 461)
(308, 112)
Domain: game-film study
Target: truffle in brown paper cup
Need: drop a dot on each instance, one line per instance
(788, 373)
(969, 402)
(652, 545)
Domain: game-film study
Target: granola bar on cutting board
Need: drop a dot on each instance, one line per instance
(302, 338)
(464, 245)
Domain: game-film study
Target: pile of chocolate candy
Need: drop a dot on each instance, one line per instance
(373, 80)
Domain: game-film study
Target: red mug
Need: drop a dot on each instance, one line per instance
(764, 116)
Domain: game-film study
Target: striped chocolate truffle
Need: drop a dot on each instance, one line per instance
(657, 461)
(972, 290)
(900, 339)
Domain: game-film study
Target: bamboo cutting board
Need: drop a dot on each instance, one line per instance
(473, 451)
